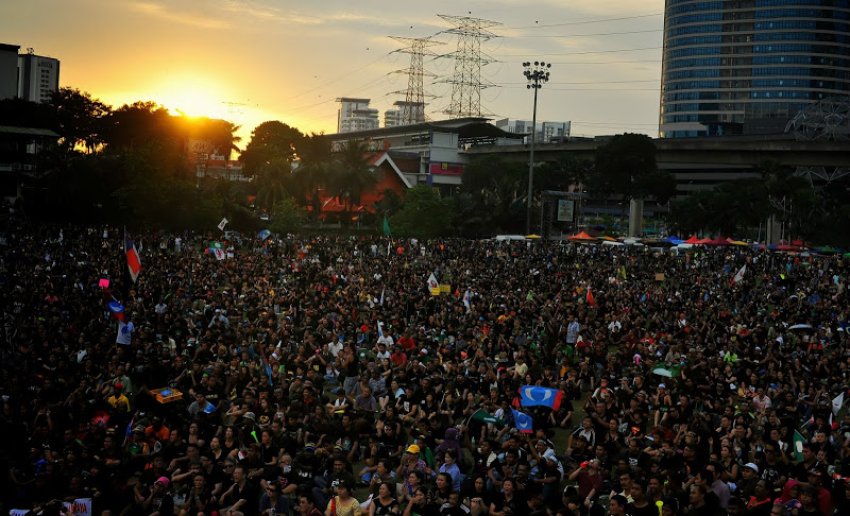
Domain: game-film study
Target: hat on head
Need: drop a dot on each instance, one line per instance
(413, 448)
(163, 481)
(249, 415)
(752, 466)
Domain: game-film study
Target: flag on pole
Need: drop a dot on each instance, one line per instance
(467, 299)
(223, 223)
(380, 330)
(264, 234)
(523, 422)
(382, 296)
(134, 261)
(837, 403)
(739, 276)
(536, 396)
(591, 301)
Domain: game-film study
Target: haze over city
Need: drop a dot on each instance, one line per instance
(249, 60)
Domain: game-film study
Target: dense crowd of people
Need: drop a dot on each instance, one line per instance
(312, 376)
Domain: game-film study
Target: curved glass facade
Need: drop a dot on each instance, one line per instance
(748, 66)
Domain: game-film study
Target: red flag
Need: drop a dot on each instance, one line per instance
(591, 301)
(134, 262)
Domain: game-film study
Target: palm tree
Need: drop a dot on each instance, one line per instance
(351, 174)
(313, 170)
(274, 183)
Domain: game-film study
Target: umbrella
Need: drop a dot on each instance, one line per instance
(532, 237)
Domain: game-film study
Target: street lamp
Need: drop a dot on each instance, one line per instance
(536, 73)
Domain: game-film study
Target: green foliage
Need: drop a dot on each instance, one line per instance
(424, 214)
(273, 183)
(626, 166)
(287, 217)
(350, 173)
(81, 120)
(270, 141)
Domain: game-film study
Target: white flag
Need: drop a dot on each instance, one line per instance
(740, 274)
(432, 282)
(382, 297)
(223, 223)
(467, 298)
(837, 403)
(219, 253)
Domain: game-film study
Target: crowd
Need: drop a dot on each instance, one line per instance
(312, 376)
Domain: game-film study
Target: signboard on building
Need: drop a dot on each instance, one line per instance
(565, 210)
(446, 169)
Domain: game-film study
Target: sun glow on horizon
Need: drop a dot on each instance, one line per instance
(192, 96)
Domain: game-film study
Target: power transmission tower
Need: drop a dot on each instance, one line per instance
(413, 108)
(466, 82)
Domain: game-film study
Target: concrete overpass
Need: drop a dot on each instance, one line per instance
(698, 163)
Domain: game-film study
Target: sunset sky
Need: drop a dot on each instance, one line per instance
(254, 60)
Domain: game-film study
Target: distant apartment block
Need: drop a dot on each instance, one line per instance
(546, 131)
(38, 77)
(355, 115)
(8, 71)
(27, 76)
(405, 113)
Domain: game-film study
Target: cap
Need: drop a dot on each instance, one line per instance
(249, 415)
(752, 466)
(413, 448)
(662, 386)
(163, 481)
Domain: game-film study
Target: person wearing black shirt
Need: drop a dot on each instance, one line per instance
(508, 502)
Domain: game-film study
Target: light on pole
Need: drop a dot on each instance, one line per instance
(537, 73)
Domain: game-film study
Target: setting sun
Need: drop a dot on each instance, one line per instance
(192, 96)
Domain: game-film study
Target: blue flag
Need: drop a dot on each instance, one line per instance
(535, 396)
(523, 422)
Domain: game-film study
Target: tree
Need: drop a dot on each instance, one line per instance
(287, 217)
(270, 141)
(494, 196)
(313, 170)
(220, 133)
(351, 173)
(273, 183)
(626, 166)
(80, 120)
(424, 214)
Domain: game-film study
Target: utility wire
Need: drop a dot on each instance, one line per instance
(585, 22)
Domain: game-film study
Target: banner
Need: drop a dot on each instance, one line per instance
(565, 210)
(79, 507)
(223, 223)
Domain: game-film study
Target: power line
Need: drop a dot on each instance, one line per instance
(590, 82)
(586, 53)
(584, 22)
(592, 34)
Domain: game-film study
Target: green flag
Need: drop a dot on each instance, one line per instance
(387, 231)
(485, 417)
(798, 446)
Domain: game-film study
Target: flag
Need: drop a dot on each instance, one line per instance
(433, 285)
(218, 252)
(467, 299)
(740, 274)
(535, 396)
(382, 297)
(264, 234)
(223, 223)
(116, 309)
(798, 446)
(622, 272)
(387, 231)
(668, 372)
(380, 329)
(483, 416)
(266, 366)
(837, 403)
(134, 262)
(523, 422)
(591, 301)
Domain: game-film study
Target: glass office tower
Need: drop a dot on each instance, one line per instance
(748, 66)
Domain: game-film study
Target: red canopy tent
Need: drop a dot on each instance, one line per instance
(692, 240)
(715, 242)
(581, 237)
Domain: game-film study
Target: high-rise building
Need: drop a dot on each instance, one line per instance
(38, 77)
(748, 66)
(546, 131)
(8, 71)
(355, 115)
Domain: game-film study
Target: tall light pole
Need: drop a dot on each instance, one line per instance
(537, 74)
